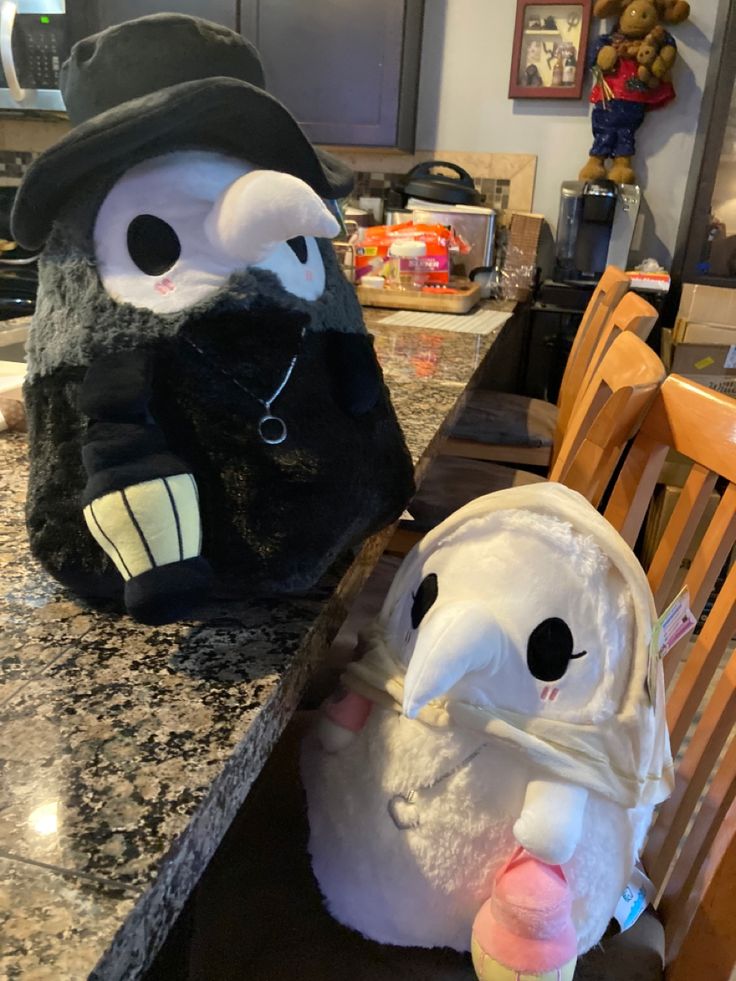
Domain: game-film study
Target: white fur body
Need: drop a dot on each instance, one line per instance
(423, 885)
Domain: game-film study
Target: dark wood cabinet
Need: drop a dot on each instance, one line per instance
(105, 13)
(347, 70)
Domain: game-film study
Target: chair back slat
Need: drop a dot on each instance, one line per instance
(685, 884)
(702, 663)
(678, 534)
(700, 425)
(621, 391)
(694, 769)
(609, 292)
(633, 315)
(697, 422)
(706, 566)
(716, 545)
(634, 487)
(706, 947)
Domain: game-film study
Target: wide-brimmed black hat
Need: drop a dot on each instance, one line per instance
(158, 83)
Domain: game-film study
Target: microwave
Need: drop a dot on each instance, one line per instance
(36, 37)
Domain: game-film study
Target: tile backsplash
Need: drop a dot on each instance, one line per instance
(506, 179)
(22, 139)
(14, 163)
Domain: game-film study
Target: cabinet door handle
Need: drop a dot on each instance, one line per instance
(8, 10)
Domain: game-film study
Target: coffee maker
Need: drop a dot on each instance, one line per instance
(595, 228)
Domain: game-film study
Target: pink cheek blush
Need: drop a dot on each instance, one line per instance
(165, 286)
(309, 275)
(549, 693)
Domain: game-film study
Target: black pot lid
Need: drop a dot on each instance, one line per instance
(421, 183)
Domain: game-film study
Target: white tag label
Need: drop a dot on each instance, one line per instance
(730, 361)
(636, 897)
(676, 621)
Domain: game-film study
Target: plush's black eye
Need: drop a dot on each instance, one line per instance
(153, 244)
(423, 599)
(550, 649)
(298, 246)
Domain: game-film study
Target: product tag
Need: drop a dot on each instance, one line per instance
(730, 361)
(676, 621)
(636, 897)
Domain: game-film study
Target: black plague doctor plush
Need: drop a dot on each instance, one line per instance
(202, 395)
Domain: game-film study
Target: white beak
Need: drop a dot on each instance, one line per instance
(263, 209)
(453, 640)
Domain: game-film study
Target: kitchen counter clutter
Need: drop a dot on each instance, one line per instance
(126, 750)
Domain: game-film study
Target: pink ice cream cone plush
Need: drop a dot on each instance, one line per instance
(525, 930)
(486, 779)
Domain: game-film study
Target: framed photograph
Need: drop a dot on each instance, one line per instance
(550, 50)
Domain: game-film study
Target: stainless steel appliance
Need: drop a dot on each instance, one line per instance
(448, 199)
(35, 39)
(476, 225)
(595, 228)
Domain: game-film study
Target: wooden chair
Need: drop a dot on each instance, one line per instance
(456, 468)
(618, 395)
(691, 851)
(517, 429)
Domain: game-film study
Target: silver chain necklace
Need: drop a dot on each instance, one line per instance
(268, 418)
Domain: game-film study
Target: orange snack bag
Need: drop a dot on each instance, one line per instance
(373, 244)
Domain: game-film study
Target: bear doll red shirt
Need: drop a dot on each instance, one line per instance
(623, 81)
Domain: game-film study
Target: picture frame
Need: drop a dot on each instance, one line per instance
(549, 59)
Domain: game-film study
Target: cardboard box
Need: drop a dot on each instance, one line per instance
(712, 365)
(706, 321)
(692, 332)
(708, 305)
(660, 511)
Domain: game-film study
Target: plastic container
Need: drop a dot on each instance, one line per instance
(373, 282)
(407, 269)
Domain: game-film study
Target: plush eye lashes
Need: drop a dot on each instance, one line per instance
(424, 597)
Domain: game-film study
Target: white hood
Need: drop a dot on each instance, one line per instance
(624, 754)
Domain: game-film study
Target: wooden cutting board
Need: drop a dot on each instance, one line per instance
(460, 302)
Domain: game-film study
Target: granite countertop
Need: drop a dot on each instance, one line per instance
(126, 750)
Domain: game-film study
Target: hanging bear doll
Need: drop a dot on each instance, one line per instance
(632, 68)
(203, 397)
(486, 778)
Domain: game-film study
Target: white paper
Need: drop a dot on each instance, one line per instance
(730, 361)
(480, 322)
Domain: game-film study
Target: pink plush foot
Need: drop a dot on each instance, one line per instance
(341, 718)
(525, 930)
(351, 711)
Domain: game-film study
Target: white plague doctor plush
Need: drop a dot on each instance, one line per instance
(203, 397)
(488, 774)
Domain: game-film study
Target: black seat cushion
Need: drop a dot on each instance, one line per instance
(498, 418)
(637, 955)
